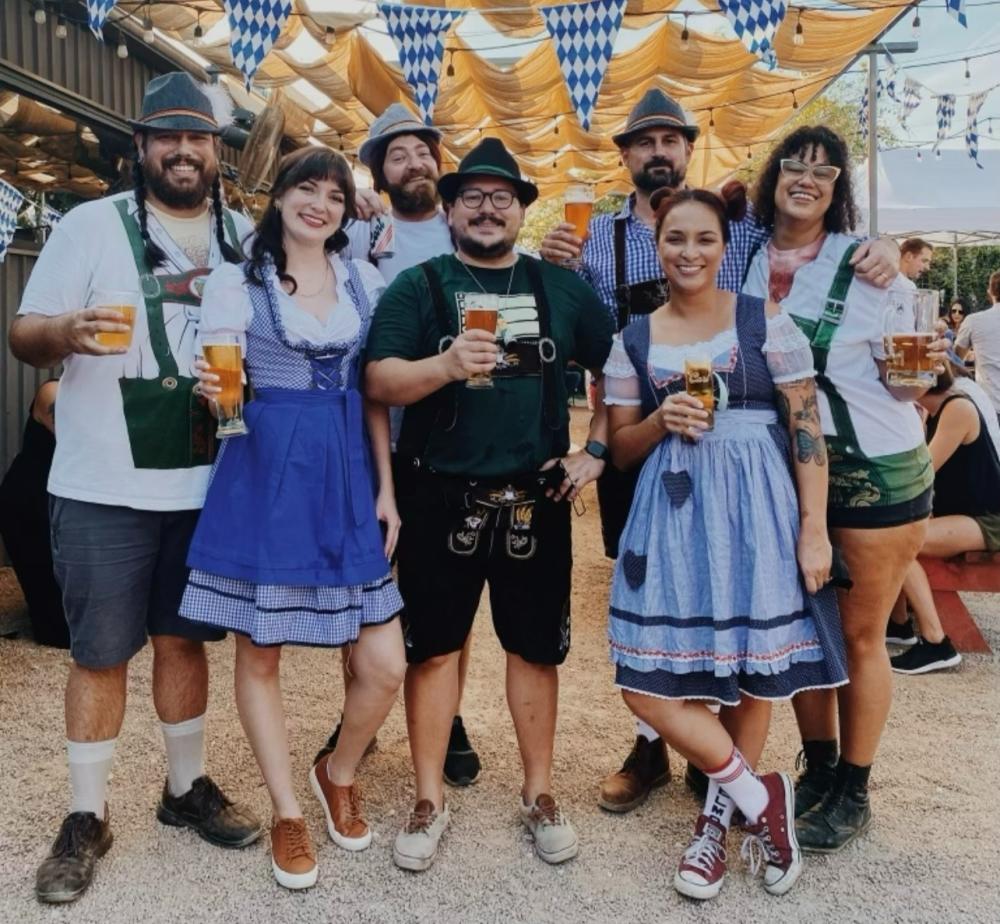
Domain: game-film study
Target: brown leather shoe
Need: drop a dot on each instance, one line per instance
(69, 868)
(342, 806)
(293, 857)
(645, 768)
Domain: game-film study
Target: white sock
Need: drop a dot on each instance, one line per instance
(89, 769)
(185, 743)
(647, 731)
(742, 785)
(718, 805)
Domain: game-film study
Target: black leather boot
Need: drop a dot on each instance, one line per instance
(843, 814)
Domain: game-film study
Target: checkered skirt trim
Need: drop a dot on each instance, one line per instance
(277, 614)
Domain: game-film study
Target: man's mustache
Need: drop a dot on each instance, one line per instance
(483, 219)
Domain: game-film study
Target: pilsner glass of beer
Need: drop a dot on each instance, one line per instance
(124, 301)
(698, 382)
(579, 206)
(481, 311)
(908, 330)
(224, 355)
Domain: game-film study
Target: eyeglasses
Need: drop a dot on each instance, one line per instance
(824, 174)
(500, 198)
(957, 311)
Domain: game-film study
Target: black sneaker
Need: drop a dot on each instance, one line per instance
(331, 744)
(840, 818)
(925, 657)
(69, 868)
(696, 781)
(204, 809)
(815, 781)
(900, 634)
(461, 763)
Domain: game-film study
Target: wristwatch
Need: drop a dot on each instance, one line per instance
(597, 450)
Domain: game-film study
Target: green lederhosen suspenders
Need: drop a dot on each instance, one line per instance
(168, 425)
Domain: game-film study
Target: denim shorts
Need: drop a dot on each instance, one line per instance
(122, 573)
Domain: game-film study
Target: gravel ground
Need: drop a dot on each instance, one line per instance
(933, 791)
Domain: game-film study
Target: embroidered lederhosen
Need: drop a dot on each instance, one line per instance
(168, 425)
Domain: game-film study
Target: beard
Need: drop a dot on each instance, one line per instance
(479, 250)
(179, 197)
(409, 198)
(649, 181)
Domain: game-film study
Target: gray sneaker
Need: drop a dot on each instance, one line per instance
(417, 843)
(555, 839)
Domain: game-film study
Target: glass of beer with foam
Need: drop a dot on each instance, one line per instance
(224, 354)
(579, 207)
(124, 301)
(481, 312)
(698, 383)
(908, 330)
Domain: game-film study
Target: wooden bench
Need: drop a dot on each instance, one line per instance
(973, 571)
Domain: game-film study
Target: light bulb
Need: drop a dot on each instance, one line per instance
(920, 156)
(685, 35)
(122, 50)
(711, 119)
(916, 25)
(329, 36)
(968, 73)
(937, 154)
(148, 35)
(61, 30)
(39, 14)
(799, 39)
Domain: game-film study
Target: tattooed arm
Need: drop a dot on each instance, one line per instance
(799, 409)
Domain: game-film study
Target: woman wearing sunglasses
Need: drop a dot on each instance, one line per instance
(880, 471)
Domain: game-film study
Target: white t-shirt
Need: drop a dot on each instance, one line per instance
(981, 331)
(413, 243)
(192, 235)
(226, 305)
(87, 250)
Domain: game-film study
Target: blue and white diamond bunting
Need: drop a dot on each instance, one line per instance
(972, 125)
(911, 98)
(10, 204)
(945, 113)
(97, 13)
(418, 32)
(956, 10)
(254, 25)
(755, 22)
(583, 35)
(50, 217)
(890, 79)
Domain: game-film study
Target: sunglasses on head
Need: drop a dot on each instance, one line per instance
(824, 174)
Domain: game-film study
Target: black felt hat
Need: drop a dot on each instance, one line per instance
(488, 158)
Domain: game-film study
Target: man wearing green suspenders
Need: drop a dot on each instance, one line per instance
(115, 297)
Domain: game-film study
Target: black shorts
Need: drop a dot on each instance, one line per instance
(919, 508)
(450, 546)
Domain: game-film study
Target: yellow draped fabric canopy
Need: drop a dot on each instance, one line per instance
(336, 81)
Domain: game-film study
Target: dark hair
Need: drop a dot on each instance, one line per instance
(378, 175)
(154, 253)
(944, 380)
(994, 286)
(307, 163)
(914, 245)
(842, 215)
(728, 205)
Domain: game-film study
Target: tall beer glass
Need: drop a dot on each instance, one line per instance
(579, 207)
(908, 330)
(481, 311)
(224, 355)
(698, 383)
(124, 301)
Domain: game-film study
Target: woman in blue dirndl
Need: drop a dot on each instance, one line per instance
(718, 598)
(289, 548)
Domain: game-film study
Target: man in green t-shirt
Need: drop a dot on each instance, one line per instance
(489, 478)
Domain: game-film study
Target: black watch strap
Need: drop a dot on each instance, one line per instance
(597, 450)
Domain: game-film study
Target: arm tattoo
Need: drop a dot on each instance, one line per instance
(809, 447)
(784, 407)
(804, 421)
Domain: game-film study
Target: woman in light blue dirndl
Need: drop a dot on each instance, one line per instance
(289, 548)
(718, 595)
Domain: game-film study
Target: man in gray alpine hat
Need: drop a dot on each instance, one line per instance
(115, 297)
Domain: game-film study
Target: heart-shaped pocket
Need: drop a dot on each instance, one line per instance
(678, 486)
(634, 567)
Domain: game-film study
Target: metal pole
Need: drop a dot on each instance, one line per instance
(872, 144)
(954, 267)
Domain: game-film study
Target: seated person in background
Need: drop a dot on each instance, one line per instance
(954, 318)
(24, 520)
(980, 333)
(966, 507)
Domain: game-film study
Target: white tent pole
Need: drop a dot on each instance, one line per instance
(872, 144)
(954, 268)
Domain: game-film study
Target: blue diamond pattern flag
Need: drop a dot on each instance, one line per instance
(956, 10)
(10, 205)
(945, 113)
(50, 217)
(890, 80)
(97, 12)
(911, 97)
(863, 118)
(972, 125)
(254, 25)
(584, 38)
(418, 32)
(755, 22)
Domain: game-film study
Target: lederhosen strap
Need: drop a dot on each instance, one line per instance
(448, 395)
(621, 288)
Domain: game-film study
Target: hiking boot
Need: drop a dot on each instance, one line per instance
(555, 839)
(645, 768)
(900, 634)
(66, 873)
(703, 866)
(817, 778)
(770, 842)
(925, 657)
(331, 744)
(293, 857)
(345, 821)
(416, 844)
(205, 810)
(461, 763)
(840, 818)
(697, 781)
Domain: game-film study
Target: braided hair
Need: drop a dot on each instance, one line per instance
(229, 253)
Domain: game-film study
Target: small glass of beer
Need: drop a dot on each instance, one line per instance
(481, 311)
(698, 382)
(224, 355)
(579, 206)
(908, 330)
(124, 301)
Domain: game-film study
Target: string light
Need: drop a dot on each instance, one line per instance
(450, 70)
(685, 34)
(968, 73)
(148, 35)
(920, 156)
(199, 33)
(122, 49)
(711, 118)
(799, 39)
(749, 153)
(61, 30)
(555, 127)
(916, 23)
(795, 101)
(937, 153)
(329, 36)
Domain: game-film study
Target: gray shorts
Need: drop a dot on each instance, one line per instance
(122, 574)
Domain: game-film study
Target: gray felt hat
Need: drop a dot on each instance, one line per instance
(396, 120)
(175, 102)
(656, 110)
